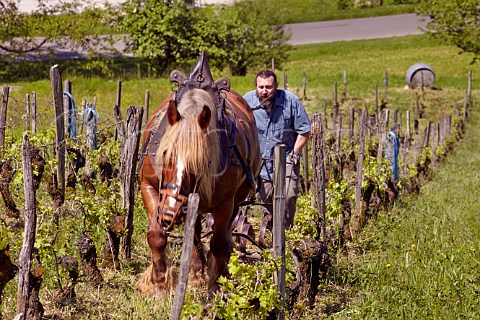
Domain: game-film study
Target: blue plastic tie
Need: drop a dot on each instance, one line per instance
(72, 120)
(393, 144)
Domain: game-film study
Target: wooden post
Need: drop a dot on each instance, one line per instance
(344, 84)
(351, 128)
(24, 263)
(417, 106)
(422, 143)
(118, 105)
(407, 133)
(27, 112)
(465, 107)
(318, 166)
(273, 64)
(376, 99)
(339, 133)
(147, 105)
(305, 166)
(193, 200)
(357, 219)
(3, 116)
(90, 116)
(56, 81)
(325, 113)
(434, 158)
(128, 166)
(120, 125)
(34, 112)
(387, 120)
(279, 221)
(381, 127)
(406, 145)
(427, 135)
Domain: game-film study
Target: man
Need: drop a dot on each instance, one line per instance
(281, 118)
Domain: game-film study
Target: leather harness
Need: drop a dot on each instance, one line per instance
(200, 78)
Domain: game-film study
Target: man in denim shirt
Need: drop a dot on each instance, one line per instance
(281, 118)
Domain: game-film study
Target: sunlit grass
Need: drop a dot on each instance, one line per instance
(422, 259)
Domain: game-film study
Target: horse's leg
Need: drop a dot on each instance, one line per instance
(158, 278)
(220, 246)
(197, 268)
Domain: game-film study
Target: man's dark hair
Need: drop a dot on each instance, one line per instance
(265, 74)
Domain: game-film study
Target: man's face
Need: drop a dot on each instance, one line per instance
(266, 89)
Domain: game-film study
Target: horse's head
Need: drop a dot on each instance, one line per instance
(186, 154)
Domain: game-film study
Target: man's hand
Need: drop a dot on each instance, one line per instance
(295, 158)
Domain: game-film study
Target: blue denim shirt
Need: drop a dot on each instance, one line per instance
(283, 124)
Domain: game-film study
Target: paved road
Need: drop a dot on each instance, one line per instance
(307, 33)
(355, 29)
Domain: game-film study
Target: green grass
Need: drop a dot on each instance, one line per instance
(422, 260)
(322, 10)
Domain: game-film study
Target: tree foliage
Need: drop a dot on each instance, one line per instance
(456, 22)
(162, 31)
(50, 25)
(244, 35)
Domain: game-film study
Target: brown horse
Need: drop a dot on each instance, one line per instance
(196, 152)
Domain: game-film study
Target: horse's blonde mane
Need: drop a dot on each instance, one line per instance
(200, 151)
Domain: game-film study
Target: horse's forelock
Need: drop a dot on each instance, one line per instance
(199, 151)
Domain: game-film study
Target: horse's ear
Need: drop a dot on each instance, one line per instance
(204, 118)
(172, 113)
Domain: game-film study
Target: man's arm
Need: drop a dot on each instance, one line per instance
(300, 142)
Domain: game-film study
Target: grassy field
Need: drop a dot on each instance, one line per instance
(422, 260)
(437, 231)
(321, 10)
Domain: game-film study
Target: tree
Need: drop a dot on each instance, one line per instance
(49, 25)
(168, 32)
(244, 36)
(456, 22)
(162, 31)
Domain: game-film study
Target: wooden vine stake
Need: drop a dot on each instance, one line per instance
(305, 166)
(27, 112)
(120, 125)
(128, 166)
(34, 112)
(26, 304)
(193, 200)
(3, 116)
(357, 219)
(56, 81)
(279, 221)
(147, 105)
(318, 165)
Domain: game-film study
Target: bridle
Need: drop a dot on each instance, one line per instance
(171, 190)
